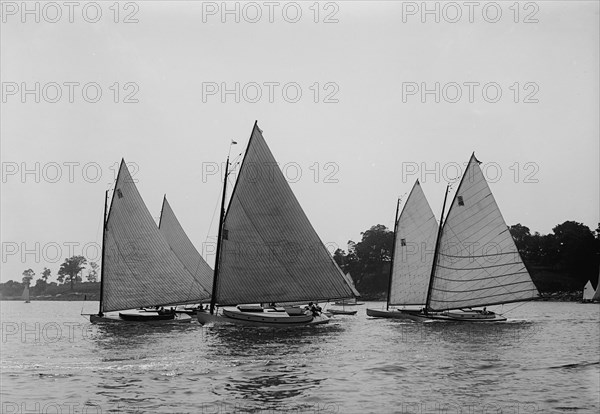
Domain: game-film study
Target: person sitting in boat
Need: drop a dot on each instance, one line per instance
(315, 309)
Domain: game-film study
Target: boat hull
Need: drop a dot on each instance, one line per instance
(391, 314)
(474, 316)
(341, 312)
(342, 303)
(151, 318)
(231, 315)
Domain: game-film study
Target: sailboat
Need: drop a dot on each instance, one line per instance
(185, 251)
(588, 292)
(268, 252)
(350, 302)
(139, 268)
(476, 262)
(596, 297)
(415, 233)
(25, 295)
(344, 303)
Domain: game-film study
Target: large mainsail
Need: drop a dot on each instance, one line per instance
(140, 269)
(270, 251)
(478, 262)
(183, 247)
(416, 234)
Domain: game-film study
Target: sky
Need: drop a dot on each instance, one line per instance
(356, 100)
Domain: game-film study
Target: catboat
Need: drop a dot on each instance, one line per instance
(139, 268)
(588, 292)
(350, 302)
(475, 262)
(25, 295)
(410, 268)
(268, 252)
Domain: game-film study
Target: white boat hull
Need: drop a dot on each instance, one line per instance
(142, 317)
(231, 315)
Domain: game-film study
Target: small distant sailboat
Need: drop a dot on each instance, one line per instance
(139, 268)
(25, 295)
(476, 262)
(588, 292)
(350, 302)
(344, 303)
(415, 232)
(596, 297)
(268, 252)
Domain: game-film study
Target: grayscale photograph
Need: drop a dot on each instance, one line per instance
(290, 207)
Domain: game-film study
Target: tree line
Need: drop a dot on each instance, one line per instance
(70, 272)
(563, 260)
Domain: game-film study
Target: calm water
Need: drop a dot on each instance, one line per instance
(545, 360)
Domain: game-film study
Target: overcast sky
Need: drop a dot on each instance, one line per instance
(337, 89)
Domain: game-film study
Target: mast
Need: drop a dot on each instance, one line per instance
(213, 297)
(437, 249)
(387, 303)
(103, 244)
(161, 210)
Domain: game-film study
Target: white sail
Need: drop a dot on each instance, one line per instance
(183, 247)
(596, 297)
(270, 251)
(588, 291)
(350, 282)
(140, 269)
(25, 295)
(416, 234)
(478, 262)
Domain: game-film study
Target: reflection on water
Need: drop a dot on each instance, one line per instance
(545, 360)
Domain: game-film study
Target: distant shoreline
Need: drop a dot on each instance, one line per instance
(81, 296)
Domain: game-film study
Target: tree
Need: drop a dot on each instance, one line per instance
(520, 235)
(46, 274)
(368, 260)
(92, 275)
(70, 269)
(40, 286)
(577, 250)
(339, 256)
(28, 276)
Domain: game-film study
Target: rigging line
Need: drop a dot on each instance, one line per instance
(217, 203)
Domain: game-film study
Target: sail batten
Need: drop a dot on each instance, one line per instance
(139, 267)
(415, 235)
(270, 251)
(478, 263)
(183, 247)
